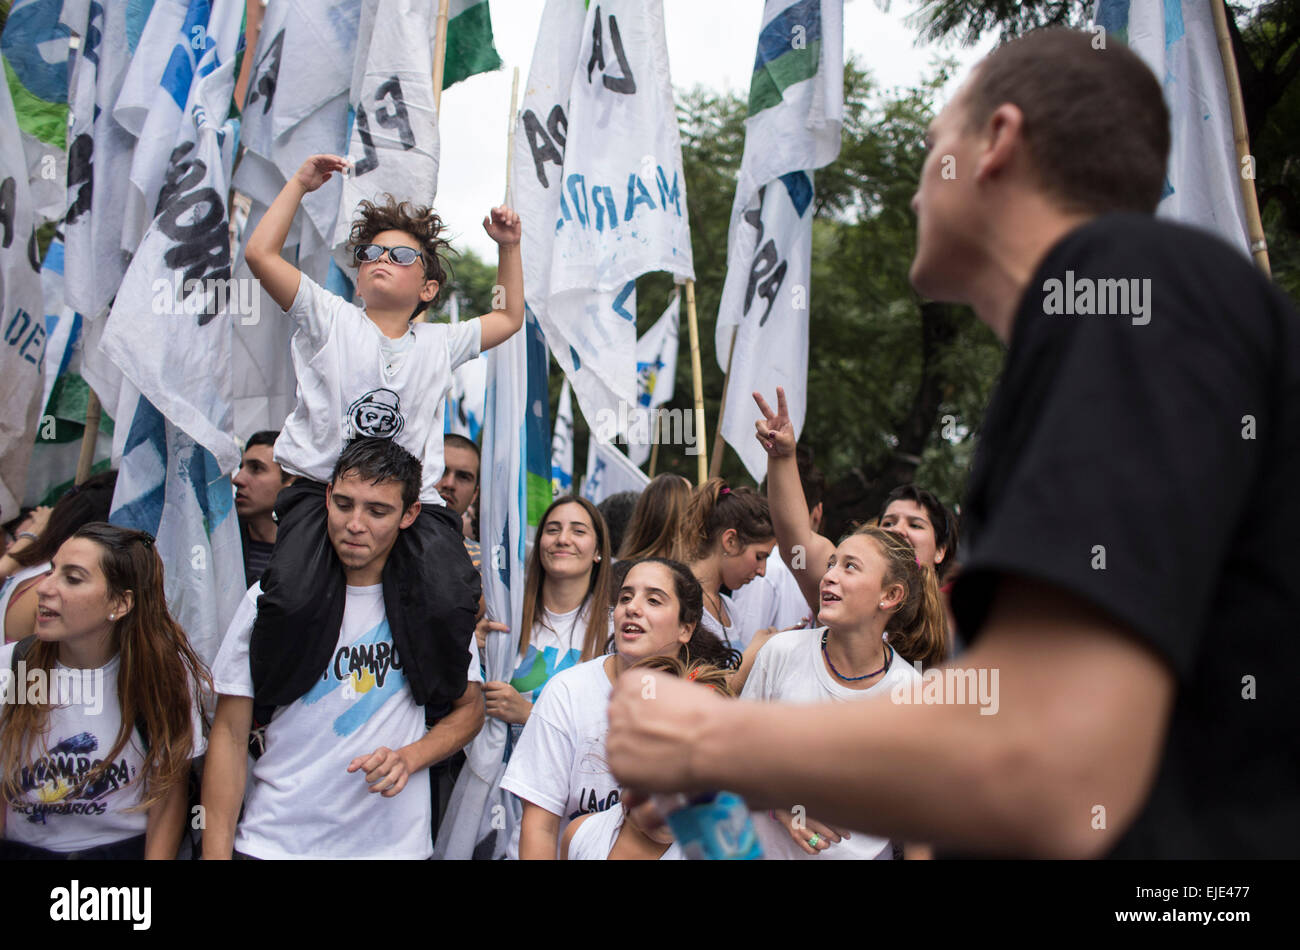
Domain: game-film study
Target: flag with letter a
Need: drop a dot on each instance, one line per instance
(796, 108)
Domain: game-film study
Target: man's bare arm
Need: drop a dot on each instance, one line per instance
(451, 733)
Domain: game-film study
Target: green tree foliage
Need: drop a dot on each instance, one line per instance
(1266, 45)
(884, 368)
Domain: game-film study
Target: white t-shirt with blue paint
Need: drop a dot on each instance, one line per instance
(301, 800)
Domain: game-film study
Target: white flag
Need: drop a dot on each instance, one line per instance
(170, 486)
(394, 138)
(597, 153)
(656, 372)
(471, 827)
(297, 106)
(609, 472)
(1176, 39)
(22, 314)
(796, 109)
(99, 159)
(183, 41)
(562, 444)
(170, 327)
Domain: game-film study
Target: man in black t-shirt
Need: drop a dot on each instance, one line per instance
(1133, 560)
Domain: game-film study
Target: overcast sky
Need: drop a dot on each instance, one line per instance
(710, 43)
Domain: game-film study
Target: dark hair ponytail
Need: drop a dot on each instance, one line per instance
(716, 507)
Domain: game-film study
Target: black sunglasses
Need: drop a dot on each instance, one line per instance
(401, 256)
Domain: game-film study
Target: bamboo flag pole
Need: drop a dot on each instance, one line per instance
(89, 436)
(440, 55)
(715, 469)
(698, 382)
(510, 132)
(1241, 137)
(654, 444)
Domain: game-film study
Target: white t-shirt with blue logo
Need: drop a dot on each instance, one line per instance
(559, 763)
(301, 801)
(353, 381)
(59, 810)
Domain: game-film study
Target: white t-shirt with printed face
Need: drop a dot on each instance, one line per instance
(353, 381)
(559, 763)
(789, 669)
(301, 800)
(55, 813)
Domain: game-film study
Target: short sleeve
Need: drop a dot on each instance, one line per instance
(756, 683)
(313, 312)
(540, 766)
(464, 341)
(1116, 468)
(231, 673)
(200, 745)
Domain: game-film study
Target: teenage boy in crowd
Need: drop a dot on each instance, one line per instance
(459, 483)
(344, 771)
(1131, 573)
(369, 370)
(257, 483)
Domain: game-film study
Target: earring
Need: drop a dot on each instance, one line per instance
(882, 606)
(112, 617)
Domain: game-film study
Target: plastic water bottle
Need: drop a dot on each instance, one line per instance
(714, 826)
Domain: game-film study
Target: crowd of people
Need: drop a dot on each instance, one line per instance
(335, 720)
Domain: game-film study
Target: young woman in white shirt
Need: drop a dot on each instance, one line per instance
(565, 620)
(727, 536)
(615, 834)
(558, 768)
(98, 766)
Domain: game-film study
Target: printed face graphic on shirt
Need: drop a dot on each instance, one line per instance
(377, 414)
(55, 780)
(368, 672)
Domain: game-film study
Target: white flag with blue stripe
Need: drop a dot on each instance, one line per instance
(1176, 39)
(562, 444)
(796, 109)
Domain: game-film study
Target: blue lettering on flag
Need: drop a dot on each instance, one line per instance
(621, 299)
(1173, 22)
(29, 26)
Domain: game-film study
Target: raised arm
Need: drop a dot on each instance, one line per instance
(225, 773)
(278, 276)
(504, 227)
(803, 551)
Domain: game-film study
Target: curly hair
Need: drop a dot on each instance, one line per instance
(421, 222)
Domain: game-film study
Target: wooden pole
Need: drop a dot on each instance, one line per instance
(700, 437)
(89, 436)
(1240, 136)
(510, 133)
(715, 469)
(440, 55)
(654, 444)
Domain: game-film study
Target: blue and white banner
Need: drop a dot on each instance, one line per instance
(796, 113)
(465, 402)
(562, 444)
(22, 314)
(172, 487)
(656, 372)
(609, 472)
(393, 141)
(599, 184)
(1176, 38)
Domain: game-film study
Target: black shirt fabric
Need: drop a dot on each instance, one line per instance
(1170, 446)
(257, 554)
